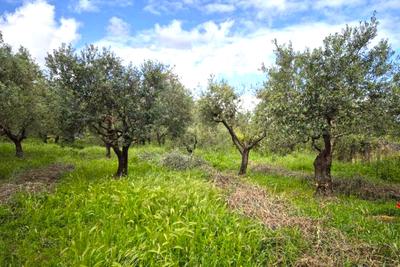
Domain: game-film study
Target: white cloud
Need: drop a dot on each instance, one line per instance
(337, 3)
(117, 27)
(262, 8)
(265, 4)
(219, 8)
(95, 5)
(86, 6)
(158, 7)
(213, 48)
(35, 27)
(248, 102)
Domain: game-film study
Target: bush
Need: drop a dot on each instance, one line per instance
(178, 161)
(388, 169)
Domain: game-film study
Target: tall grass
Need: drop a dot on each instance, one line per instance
(153, 217)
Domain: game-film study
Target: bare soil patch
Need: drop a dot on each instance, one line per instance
(34, 181)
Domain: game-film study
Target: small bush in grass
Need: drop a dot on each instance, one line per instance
(178, 161)
(388, 169)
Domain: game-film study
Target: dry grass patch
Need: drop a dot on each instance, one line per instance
(34, 181)
(327, 246)
(253, 201)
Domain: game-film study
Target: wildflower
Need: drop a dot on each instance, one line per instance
(398, 205)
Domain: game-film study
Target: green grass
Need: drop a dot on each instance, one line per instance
(155, 216)
(386, 170)
(160, 217)
(353, 217)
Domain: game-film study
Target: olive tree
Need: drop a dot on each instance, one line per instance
(341, 88)
(21, 84)
(220, 104)
(172, 110)
(115, 101)
(64, 74)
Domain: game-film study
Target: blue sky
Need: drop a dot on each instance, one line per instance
(227, 38)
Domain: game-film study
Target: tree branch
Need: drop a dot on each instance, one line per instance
(313, 138)
(256, 141)
(239, 145)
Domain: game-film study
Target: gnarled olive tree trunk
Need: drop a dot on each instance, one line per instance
(108, 150)
(245, 160)
(17, 140)
(19, 153)
(322, 167)
(122, 156)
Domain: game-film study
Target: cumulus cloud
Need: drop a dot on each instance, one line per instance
(213, 48)
(35, 27)
(274, 9)
(117, 27)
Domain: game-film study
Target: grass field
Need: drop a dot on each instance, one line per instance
(162, 217)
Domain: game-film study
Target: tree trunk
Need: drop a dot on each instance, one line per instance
(122, 161)
(17, 139)
(108, 150)
(245, 161)
(19, 153)
(56, 139)
(322, 168)
(160, 139)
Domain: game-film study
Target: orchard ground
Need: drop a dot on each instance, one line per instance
(166, 213)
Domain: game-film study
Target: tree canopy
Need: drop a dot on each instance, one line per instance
(220, 104)
(343, 87)
(21, 89)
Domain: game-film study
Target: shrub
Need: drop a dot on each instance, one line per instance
(178, 161)
(388, 169)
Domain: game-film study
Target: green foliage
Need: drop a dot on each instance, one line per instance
(209, 136)
(388, 169)
(21, 92)
(343, 87)
(220, 103)
(172, 110)
(64, 79)
(117, 102)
